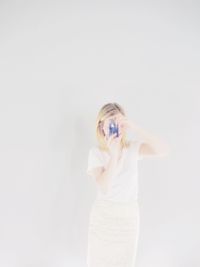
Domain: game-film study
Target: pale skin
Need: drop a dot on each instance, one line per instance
(151, 146)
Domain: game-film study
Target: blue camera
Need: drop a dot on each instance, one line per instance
(113, 128)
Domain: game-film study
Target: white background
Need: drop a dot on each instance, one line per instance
(60, 61)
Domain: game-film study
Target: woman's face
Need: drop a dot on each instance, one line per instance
(117, 118)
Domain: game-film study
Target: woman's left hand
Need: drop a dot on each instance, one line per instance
(124, 123)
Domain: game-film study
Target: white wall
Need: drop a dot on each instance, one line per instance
(60, 61)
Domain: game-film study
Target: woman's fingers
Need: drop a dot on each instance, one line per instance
(119, 137)
(116, 138)
(111, 137)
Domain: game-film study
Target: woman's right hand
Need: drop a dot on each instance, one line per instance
(114, 144)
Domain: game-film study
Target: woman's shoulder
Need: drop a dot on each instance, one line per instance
(96, 152)
(132, 143)
(93, 150)
(96, 149)
(100, 151)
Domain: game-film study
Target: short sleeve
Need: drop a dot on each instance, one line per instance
(94, 159)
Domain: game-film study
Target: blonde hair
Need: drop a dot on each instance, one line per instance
(106, 111)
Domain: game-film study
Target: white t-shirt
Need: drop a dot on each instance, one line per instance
(124, 183)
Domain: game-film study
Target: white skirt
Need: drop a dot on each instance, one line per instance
(113, 234)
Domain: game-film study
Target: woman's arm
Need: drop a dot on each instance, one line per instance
(152, 145)
(104, 175)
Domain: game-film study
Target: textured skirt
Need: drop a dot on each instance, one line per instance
(113, 234)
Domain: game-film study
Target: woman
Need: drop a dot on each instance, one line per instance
(114, 219)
